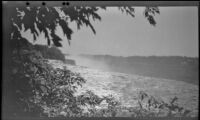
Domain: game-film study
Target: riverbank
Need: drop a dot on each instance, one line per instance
(125, 87)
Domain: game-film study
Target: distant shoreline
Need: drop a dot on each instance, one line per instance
(167, 67)
(150, 56)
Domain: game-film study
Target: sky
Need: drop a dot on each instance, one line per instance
(117, 34)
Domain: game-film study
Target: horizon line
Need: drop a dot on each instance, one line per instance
(133, 55)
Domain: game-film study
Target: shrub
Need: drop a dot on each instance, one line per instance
(153, 108)
(37, 89)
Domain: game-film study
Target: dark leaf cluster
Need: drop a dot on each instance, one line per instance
(46, 19)
(50, 52)
(150, 12)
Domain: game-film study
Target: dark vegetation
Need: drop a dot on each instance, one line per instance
(169, 67)
(50, 52)
(53, 53)
(32, 87)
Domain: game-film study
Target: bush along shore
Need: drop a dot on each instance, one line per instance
(109, 106)
(36, 89)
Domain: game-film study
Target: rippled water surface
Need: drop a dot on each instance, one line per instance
(125, 87)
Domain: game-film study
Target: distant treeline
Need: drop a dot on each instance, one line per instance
(149, 59)
(169, 67)
(50, 52)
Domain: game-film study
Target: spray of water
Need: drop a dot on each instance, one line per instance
(86, 62)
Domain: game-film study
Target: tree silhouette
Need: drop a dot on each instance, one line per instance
(46, 19)
(25, 70)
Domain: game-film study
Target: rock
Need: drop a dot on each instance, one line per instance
(70, 61)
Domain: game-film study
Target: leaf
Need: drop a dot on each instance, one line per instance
(56, 40)
(34, 37)
(40, 26)
(69, 42)
(156, 9)
(67, 31)
(174, 99)
(48, 42)
(151, 20)
(129, 12)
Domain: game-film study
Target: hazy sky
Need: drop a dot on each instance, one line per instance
(176, 33)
